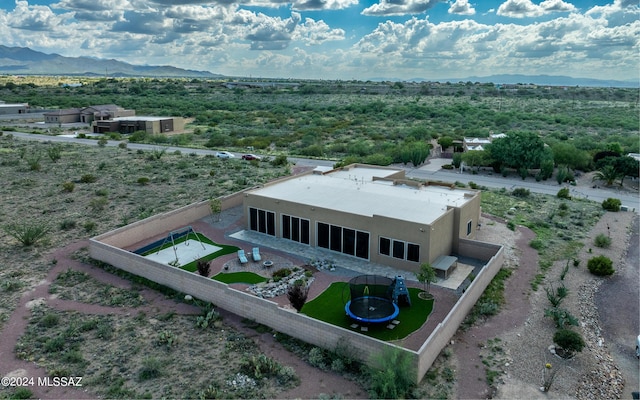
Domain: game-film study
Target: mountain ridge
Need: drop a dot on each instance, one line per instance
(25, 61)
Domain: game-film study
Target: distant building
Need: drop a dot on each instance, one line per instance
(16, 108)
(260, 85)
(86, 115)
(151, 125)
(473, 143)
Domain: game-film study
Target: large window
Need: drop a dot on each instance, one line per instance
(343, 240)
(296, 229)
(399, 249)
(262, 221)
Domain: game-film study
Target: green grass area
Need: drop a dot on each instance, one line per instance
(193, 265)
(329, 307)
(239, 277)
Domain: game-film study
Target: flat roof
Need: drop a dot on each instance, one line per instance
(354, 191)
(140, 118)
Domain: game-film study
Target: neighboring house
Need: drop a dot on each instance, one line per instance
(371, 213)
(86, 115)
(151, 125)
(475, 143)
(16, 108)
(65, 116)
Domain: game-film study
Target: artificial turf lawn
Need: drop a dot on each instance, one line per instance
(193, 265)
(329, 307)
(239, 277)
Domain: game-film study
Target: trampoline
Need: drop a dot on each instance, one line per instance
(371, 301)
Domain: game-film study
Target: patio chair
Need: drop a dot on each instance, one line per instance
(242, 257)
(255, 253)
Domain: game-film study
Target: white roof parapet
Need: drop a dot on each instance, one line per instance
(355, 191)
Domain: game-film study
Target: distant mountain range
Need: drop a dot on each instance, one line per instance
(24, 61)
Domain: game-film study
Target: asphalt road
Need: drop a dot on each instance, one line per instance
(631, 200)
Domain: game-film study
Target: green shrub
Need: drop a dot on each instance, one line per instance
(68, 187)
(317, 357)
(612, 204)
(151, 369)
(561, 317)
(88, 178)
(67, 224)
(54, 153)
(281, 273)
(521, 192)
(28, 233)
(122, 145)
(563, 193)
(568, 340)
(143, 181)
(601, 266)
(536, 244)
(280, 161)
(393, 379)
(102, 142)
(602, 241)
(22, 393)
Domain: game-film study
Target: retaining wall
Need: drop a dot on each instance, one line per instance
(106, 248)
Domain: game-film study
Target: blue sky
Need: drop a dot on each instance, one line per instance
(340, 39)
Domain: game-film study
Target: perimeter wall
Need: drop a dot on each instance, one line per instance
(106, 248)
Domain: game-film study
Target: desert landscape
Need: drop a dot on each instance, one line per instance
(63, 315)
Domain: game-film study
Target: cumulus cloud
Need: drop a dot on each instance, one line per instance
(317, 32)
(400, 7)
(527, 9)
(462, 7)
(273, 33)
(34, 18)
(545, 47)
(148, 23)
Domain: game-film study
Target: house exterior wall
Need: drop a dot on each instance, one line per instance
(439, 238)
(14, 108)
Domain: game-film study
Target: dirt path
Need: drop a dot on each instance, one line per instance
(471, 374)
(313, 381)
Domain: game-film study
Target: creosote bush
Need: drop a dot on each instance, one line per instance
(563, 193)
(602, 241)
(601, 266)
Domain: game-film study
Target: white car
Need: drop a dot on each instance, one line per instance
(638, 346)
(224, 154)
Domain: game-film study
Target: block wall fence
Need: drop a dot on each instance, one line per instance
(108, 248)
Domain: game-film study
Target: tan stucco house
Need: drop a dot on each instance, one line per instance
(367, 212)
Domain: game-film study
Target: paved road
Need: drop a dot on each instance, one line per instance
(631, 200)
(617, 299)
(432, 171)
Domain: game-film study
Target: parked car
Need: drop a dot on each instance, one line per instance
(638, 346)
(250, 157)
(224, 154)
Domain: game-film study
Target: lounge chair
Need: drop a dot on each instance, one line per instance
(242, 257)
(255, 253)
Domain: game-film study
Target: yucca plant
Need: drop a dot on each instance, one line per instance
(27, 233)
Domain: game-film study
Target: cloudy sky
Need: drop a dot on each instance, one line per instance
(340, 39)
